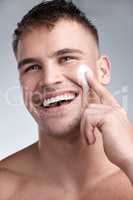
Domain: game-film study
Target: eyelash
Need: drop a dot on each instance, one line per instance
(62, 59)
(32, 68)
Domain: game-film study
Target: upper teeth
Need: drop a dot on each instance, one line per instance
(56, 99)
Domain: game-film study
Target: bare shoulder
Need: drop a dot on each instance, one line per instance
(14, 171)
(22, 162)
(117, 186)
(8, 183)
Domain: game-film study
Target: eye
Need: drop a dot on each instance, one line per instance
(34, 67)
(66, 59)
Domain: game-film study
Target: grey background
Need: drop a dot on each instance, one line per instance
(114, 20)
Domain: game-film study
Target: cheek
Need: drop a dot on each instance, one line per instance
(28, 88)
(71, 74)
(28, 83)
(77, 75)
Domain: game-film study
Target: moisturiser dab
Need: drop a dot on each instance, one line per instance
(81, 75)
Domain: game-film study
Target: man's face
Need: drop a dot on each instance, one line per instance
(48, 63)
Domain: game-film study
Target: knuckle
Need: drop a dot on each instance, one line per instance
(123, 111)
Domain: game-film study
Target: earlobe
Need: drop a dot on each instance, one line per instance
(104, 69)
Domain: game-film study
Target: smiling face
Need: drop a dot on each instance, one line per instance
(48, 62)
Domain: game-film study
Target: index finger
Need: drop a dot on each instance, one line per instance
(105, 96)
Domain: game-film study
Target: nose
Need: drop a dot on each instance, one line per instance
(51, 75)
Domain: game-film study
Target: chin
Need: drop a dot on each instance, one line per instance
(61, 129)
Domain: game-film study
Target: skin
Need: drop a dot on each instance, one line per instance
(84, 149)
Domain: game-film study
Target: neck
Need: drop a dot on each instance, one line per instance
(72, 161)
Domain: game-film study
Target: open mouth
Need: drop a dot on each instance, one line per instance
(59, 100)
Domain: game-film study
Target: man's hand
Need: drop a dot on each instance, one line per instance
(112, 121)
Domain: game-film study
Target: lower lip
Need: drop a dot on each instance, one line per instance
(58, 108)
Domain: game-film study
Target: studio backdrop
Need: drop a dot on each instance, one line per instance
(114, 20)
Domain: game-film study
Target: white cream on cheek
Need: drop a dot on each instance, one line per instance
(81, 75)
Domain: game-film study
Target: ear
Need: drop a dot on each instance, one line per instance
(104, 69)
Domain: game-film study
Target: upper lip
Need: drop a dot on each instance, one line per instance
(59, 93)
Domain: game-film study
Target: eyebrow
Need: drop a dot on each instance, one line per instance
(27, 61)
(67, 50)
(57, 53)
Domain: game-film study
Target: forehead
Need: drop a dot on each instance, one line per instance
(65, 34)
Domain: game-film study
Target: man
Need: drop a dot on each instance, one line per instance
(85, 147)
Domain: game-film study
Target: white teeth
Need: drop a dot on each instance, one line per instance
(56, 99)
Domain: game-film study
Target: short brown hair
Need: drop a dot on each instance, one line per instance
(48, 13)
